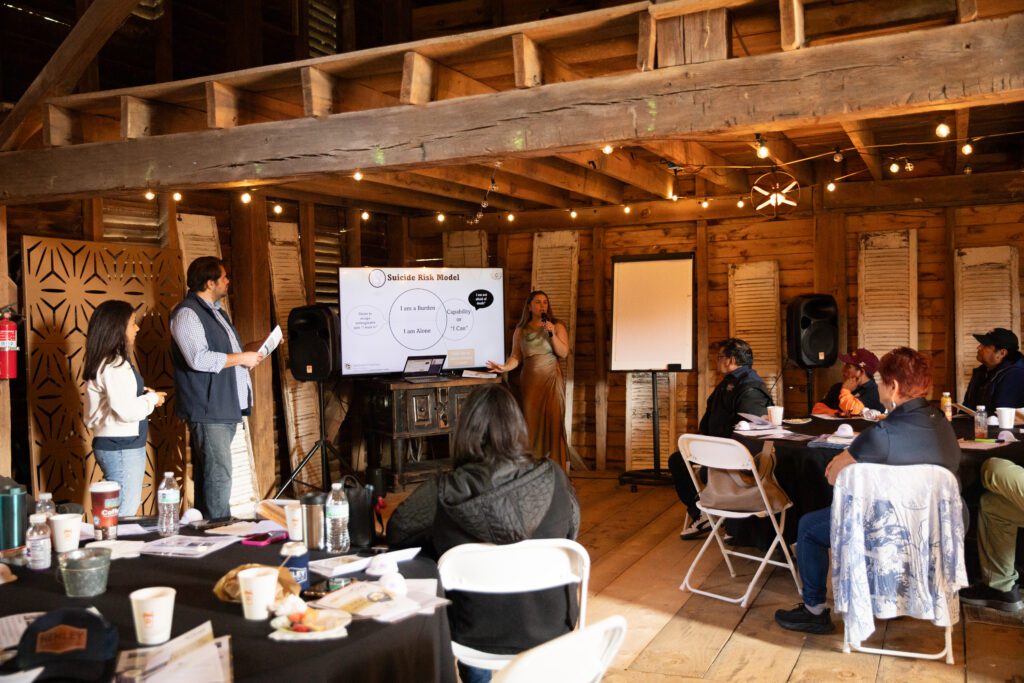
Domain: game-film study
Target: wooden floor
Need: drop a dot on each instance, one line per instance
(638, 562)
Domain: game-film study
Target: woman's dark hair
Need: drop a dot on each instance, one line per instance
(524, 319)
(911, 368)
(738, 350)
(490, 429)
(107, 341)
(201, 271)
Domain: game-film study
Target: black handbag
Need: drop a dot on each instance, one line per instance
(362, 512)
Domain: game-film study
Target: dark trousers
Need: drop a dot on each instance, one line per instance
(211, 466)
(685, 489)
(812, 547)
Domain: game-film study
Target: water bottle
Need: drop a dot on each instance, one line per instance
(337, 520)
(45, 505)
(980, 423)
(38, 541)
(168, 498)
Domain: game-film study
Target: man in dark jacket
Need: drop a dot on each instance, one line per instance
(999, 381)
(740, 391)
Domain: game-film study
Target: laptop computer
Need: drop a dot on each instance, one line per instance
(423, 368)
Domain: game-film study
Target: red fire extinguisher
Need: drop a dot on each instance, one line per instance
(8, 344)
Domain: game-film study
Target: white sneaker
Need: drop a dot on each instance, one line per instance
(698, 528)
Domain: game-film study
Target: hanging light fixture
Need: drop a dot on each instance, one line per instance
(942, 130)
(762, 148)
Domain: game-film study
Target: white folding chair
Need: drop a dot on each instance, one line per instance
(523, 567)
(578, 657)
(897, 538)
(726, 454)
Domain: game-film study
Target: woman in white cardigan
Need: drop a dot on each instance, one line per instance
(117, 404)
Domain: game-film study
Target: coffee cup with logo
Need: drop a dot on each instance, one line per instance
(106, 502)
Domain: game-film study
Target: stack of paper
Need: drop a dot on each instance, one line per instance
(192, 656)
(349, 564)
(369, 600)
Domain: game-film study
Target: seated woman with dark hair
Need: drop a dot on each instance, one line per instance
(497, 493)
(914, 433)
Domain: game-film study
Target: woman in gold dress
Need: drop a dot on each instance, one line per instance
(540, 340)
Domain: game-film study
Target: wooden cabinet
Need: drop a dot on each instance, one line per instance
(400, 412)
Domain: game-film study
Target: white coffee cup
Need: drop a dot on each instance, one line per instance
(293, 519)
(1005, 416)
(153, 611)
(257, 588)
(775, 414)
(67, 531)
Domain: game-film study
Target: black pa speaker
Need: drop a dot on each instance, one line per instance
(314, 344)
(812, 330)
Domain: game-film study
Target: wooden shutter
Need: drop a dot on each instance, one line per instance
(198, 237)
(301, 412)
(987, 296)
(754, 317)
(639, 425)
(887, 291)
(556, 271)
(465, 249)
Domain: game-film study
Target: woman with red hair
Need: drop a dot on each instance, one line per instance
(913, 433)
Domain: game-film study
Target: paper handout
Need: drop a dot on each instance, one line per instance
(272, 341)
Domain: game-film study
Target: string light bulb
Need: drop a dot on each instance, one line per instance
(908, 165)
(150, 195)
(278, 209)
(176, 196)
(967, 149)
(246, 197)
(573, 214)
(762, 149)
(357, 176)
(607, 149)
(511, 217)
(674, 197)
(440, 218)
(740, 203)
(968, 170)
(626, 209)
(837, 156)
(942, 130)
(365, 215)
(705, 203)
(894, 167)
(831, 187)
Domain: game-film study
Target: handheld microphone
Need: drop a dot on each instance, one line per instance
(544, 319)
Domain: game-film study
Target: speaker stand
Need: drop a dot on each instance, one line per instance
(324, 446)
(656, 476)
(810, 390)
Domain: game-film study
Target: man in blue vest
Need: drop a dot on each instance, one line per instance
(211, 376)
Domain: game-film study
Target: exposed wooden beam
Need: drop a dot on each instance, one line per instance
(863, 138)
(222, 105)
(424, 80)
(791, 23)
(92, 219)
(783, 152)
(527, 63)
(727, 96)
(64, 69)
(60, 126)
(136, 118)
(962, 126)
(954, 190)
(966, 10)
(508, 184)
(567, 176)
(381, 194)
(647, 43)
(662, 9)
(317, 92)
(624, 166)
(693, 38)
(444, 188)
(707, 163)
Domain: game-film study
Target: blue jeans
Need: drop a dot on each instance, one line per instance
(128, 468)
(812, 545)
(211, 466)
(471, 674)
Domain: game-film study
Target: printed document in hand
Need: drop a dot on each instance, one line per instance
(271, 342)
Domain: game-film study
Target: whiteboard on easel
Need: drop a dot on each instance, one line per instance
(653, 312)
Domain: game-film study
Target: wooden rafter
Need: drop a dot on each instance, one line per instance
(64, 69)
(962, 125)
(626, 167)
(727, 96)
(381, 194)
(508, 183)
(567, 176)
(705, 163)
(444, 188)
(863, 138)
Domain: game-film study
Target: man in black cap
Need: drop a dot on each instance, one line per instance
(999, 381)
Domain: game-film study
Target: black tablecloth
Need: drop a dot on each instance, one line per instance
(800, 470)
(416, 649)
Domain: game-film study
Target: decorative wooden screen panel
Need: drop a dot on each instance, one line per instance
(640, 427)
(198, 237)
(887, 291)
(465, 249)
(987, 296)
(556, 272)
(64, 281)
(302, 417)
(754, 317)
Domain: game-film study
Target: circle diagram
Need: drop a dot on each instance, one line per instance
(460, 319)
(377, 277)
(418, 319)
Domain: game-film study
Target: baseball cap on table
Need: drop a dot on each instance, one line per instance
(861, 358)
(71, 644)
(1001, 338)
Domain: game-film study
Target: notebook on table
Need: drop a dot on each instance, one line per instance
(423, 368)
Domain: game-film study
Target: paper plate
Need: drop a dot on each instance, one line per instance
(333, 621)
(796, 420)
